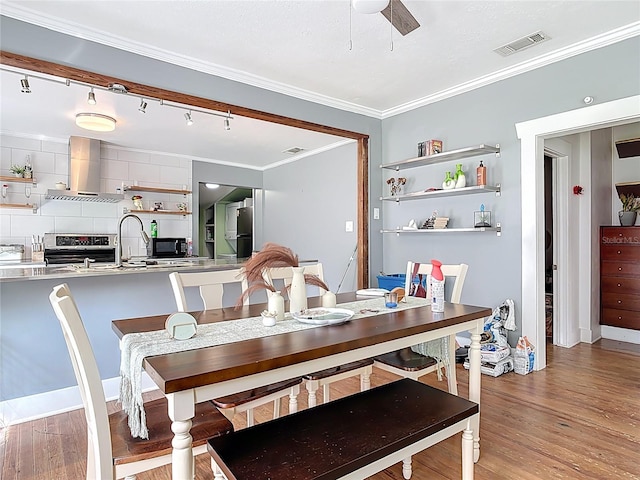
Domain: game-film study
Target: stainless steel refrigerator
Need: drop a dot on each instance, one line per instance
(244, 247)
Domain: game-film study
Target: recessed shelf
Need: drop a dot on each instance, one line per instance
(459, 154)
(444, 193)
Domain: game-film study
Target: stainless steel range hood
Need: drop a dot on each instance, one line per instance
(84, 174)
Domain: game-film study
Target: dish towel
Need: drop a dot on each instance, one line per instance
(134, 347)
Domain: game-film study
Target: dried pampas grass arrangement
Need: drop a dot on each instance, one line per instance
(272, 255)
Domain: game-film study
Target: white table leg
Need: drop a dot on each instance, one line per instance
(474, 386)
(181, 411)
(467, 453)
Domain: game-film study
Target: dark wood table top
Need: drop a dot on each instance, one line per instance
(194, 368)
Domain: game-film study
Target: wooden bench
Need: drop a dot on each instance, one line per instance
(352, 438)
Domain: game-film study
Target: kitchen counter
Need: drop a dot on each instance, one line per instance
(18, 271)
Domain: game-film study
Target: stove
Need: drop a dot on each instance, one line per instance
(74, 248)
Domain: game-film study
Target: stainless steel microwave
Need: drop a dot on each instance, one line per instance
(167, 248)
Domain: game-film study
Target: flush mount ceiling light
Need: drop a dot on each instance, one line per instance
(96, 122)
(91, 99)
(369, 6)
(187, 117)
(143, 106)
(24, 83)
(211, 185)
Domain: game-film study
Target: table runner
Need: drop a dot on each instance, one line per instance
(136, 346)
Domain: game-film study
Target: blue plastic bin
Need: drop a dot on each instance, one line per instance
(389, 282)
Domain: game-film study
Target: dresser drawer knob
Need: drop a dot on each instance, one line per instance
(619, 252)
(619, 269)
(619, 301)
(619, 285)
(619, 318)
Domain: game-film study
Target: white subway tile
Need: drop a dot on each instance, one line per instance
(73, 225)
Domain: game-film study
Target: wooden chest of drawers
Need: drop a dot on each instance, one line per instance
(620, 277)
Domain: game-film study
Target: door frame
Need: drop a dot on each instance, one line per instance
(532, 135)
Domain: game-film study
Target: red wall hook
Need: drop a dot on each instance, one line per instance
(577, 190)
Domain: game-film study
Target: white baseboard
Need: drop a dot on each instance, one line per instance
(33, 407)
(621, 334)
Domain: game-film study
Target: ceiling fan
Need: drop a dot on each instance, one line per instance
(393, 10)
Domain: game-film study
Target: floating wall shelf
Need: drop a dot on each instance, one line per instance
(459, 154)
(20, 205)
(4, 178)
(138, 188)
(496, 229)
(444, 193)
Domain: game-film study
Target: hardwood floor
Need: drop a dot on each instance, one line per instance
(577, 419)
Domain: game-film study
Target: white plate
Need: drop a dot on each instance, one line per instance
(372, 292)
(323, 316)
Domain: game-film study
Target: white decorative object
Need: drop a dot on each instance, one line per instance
(181, 325)
(329, 299)
(297, 291)
(275, 304)
(268, 319)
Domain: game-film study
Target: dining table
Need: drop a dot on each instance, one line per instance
(201, 374)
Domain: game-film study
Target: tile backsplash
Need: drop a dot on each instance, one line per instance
(50, 163)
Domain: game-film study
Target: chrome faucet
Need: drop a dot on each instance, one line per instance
(145, 237)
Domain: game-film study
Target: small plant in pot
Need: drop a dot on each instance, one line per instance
(17, 170)
(630, 208)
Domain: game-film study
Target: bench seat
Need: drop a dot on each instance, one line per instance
(352, 437)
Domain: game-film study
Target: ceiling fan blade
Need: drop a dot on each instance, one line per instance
(402, 20)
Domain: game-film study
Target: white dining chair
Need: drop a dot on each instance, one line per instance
(112, 453)
(322, 378)
(211, 287)
(410, 364)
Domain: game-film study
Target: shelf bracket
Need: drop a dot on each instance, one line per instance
(497, 153)
(499, 192)
(499, 230)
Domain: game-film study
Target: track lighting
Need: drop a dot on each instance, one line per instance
(91, 100)
(25, 85)
(188, 118)
(143, 106)
(227, 123)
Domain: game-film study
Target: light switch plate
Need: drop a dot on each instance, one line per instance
(376, 214)
(348, 227)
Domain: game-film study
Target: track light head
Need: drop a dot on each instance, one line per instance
(227, 124)
(188, 118)
(143, 106)
(24, 83)
(91, 99)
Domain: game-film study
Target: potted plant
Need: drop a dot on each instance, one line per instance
(17, 170)
(630, 208)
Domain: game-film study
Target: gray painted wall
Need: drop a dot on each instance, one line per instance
(306, 206)
(488, 115)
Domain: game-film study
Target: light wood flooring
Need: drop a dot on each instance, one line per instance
(577, 419)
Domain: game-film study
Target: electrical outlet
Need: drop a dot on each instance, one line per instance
(348, 227)
(376, 214)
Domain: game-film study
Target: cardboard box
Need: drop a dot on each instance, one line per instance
(492, 353)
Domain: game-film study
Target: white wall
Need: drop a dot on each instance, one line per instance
(50, 162)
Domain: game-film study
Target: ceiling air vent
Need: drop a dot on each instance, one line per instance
(293, 150)
(522, 43)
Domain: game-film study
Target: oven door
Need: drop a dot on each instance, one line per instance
(59, 256)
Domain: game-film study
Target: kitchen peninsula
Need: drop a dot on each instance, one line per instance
(33, 354)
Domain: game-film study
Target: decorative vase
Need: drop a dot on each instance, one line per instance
(459, 177)
(627, 219)
(297, 291)
(449, 182)
(329, 299)
(275, 304)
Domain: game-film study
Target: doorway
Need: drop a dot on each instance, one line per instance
(549, 265)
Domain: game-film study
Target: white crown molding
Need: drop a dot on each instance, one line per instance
(614, 36)
(79, 31)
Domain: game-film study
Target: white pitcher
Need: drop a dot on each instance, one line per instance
(297, 291)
